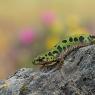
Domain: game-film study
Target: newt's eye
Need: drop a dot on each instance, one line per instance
(43, 57)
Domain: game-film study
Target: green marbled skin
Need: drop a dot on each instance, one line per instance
(52, 55)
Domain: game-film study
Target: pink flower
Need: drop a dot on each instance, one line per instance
(26, 36)
(48, 17)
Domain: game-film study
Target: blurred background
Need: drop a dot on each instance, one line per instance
(31, 27)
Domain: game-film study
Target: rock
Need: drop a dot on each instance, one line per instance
(75, 77)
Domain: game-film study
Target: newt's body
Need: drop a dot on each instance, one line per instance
(52, 56)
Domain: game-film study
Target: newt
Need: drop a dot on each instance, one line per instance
(69, 43)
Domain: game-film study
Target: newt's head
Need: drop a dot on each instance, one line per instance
(43, 59)
(39, 60)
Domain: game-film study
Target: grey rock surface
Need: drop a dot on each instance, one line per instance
(75, 77)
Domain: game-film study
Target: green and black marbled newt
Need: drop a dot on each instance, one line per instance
(62, 47)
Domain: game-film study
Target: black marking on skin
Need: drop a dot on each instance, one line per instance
(40, 60)
(51, 57)
(45, 54)
(89, 38)
(75, 39)
(71, 39)
(64, 41)
(92, 36)
(68, 46)
(81, 38)
(55, 52)
(59, 48)
(64, 48)
(49, 53)
(43, 57)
